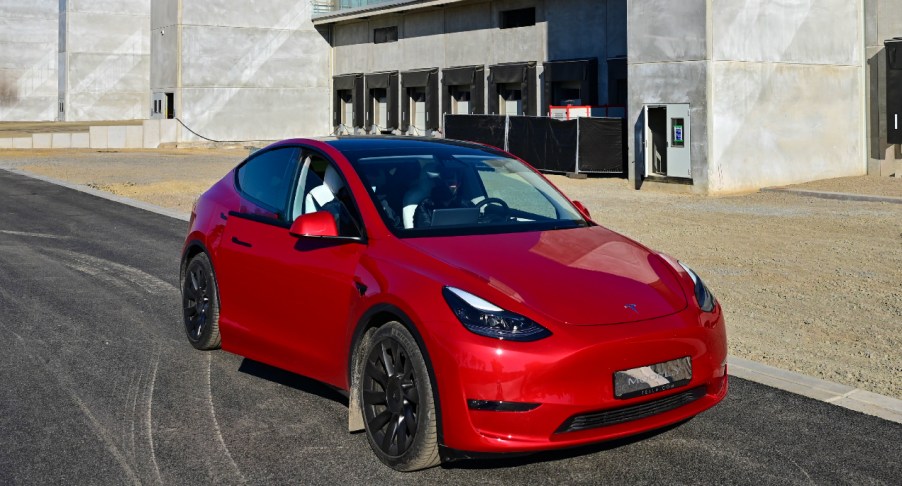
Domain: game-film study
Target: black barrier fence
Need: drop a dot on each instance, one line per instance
(487, 129)
(582, 145)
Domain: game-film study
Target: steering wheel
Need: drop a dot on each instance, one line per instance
(501, 215)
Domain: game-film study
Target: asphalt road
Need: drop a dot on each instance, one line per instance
(99, 385)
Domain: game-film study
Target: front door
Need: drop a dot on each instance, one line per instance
(294, 295)
(285, 299)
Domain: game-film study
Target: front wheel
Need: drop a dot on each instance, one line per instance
(397, 401)
(200, 303)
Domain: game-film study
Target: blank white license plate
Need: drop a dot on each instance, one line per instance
(655, 378)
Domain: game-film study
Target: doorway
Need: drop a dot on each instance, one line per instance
(170, 106)
(657, 142)
(667, 141)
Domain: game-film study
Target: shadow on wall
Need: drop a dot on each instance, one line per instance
(877, 119)
(639, 149)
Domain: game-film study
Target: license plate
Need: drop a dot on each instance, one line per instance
(655, 378)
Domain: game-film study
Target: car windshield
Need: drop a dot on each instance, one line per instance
(439, 189)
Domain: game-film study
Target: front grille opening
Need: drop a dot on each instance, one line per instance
(633, 412)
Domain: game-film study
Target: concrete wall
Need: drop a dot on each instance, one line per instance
(164, 44)
(787, 93)
(243, 70)
(107, 55)
(461, 35)
(883, 21)
(775, 88)
(29, 42)
(668, 63)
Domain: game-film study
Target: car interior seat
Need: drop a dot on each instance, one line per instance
(419, 192)
(320, 195)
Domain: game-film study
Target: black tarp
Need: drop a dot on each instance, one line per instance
(471, 77)
(389, 82)
(354, 84)
(591, 145)
(547, 144)
(522, 73)
(487, 129)
(585, 71)
(424, 78)
(601, 145)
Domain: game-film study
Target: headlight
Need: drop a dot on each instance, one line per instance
(486, 319)
(705, 298)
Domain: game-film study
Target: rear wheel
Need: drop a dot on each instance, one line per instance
(200, 303)
(397, 401)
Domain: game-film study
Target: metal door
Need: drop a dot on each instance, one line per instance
(679, 163)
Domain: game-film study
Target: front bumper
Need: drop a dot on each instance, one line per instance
(570, 376)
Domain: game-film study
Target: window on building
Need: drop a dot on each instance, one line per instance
(385, 34)
(521, 17)
(567, 93)
(380, 108)
(346, 100)
(418, 109)
(511, 99)
(460, 100)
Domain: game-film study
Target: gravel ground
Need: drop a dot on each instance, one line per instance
(809, 285)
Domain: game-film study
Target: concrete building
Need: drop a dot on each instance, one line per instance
(104, 60)
(882, 21)
(772, 93)
(29, 40)
(240, 70)
(531, 54)
(721, 96)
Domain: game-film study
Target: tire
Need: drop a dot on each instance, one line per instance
(200, 303)
(397, 401)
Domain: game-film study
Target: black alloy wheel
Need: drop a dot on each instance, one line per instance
(200, 303)
(398, 405)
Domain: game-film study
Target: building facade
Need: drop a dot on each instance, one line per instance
(722, 96)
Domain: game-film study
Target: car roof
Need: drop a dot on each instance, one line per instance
(355, 143)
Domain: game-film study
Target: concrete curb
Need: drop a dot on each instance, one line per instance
(887, 408)
(881, 406)
(842, 196)
(105, 195)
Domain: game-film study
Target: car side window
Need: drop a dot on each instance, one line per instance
(267, 179)
(321, 187)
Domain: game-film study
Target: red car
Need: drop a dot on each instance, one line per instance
(459, 299)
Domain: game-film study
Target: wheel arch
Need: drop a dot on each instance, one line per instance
(192, 249)
(371, 320)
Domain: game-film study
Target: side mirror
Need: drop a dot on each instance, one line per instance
(582, 209)
(319, 224)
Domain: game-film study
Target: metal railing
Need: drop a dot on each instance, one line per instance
(328, 6)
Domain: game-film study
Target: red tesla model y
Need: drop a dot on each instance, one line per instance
(460, 300)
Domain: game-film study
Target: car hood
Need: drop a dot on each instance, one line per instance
(582, 276)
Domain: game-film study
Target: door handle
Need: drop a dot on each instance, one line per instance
(242, 243)
(361, 287)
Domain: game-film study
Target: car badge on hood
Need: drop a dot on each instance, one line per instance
(632, 307)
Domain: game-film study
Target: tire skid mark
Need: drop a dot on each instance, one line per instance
(93, 424)
(133, 385)
(216, 428)
(112, 272)
(33, 235)
(148, 423)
